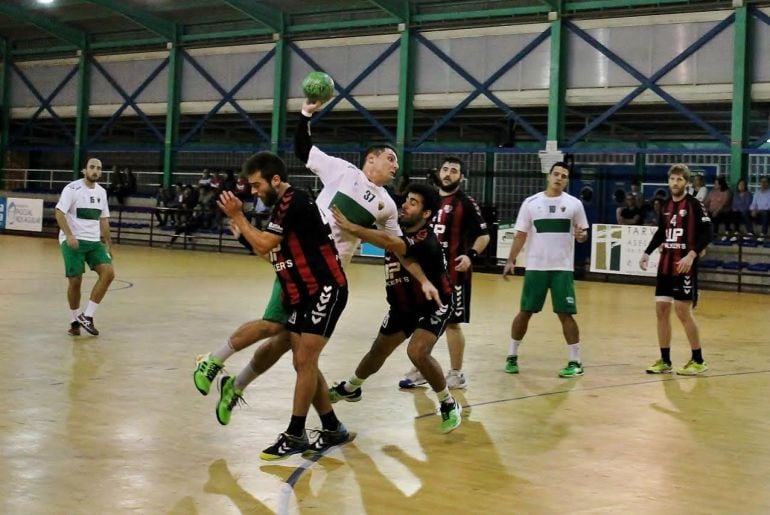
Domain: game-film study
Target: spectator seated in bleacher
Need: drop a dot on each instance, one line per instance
(741, 212)
(760, 207)
(630, 214)
(652, 215)
(162, 200)
(206, 205)
(718, 204)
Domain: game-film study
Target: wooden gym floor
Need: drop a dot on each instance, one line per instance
(113, 424)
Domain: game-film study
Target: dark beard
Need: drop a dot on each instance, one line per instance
(448, 188)
(270, 197)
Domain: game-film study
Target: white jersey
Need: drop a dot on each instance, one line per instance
(549, 223)
(83, 207)
(360, 200)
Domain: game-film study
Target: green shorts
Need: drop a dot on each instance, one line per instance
(92, 252)
(536, 286)
(275, 310)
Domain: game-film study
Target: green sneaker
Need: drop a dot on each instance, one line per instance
(229, 397)
(692, 368)
(451, 416)
(512, 364)
(573, 369)
(207, 370)
(659, 367)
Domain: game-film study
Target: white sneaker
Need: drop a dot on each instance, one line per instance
(411, 379)
(455, 380)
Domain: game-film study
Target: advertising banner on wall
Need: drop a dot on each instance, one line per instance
(23, 214)
(616, 249)
(2, 212)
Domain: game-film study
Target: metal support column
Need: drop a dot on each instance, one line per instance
(173, 99)
(741, 95)
(558, 79)
(83, 103)
(405, 116)
(5, 103)
(281, 74)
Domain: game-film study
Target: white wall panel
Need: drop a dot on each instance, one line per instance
(45, 78)
(761, 63)
(129, 75)
(227, 70)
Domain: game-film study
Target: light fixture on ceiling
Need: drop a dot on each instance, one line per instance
(45, 2)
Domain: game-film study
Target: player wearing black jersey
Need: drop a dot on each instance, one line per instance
(683, 234)
(314, 289)
(410, 313)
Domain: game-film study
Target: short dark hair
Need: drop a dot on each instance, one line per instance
(267, 164)
(456, 160)
(430, 198)
(560, 164)
(377, 149)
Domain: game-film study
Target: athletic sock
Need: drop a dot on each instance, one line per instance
(352, 384)
(574, 352)
(697, 356)
(513, 348)
(75, 313)
(245, 377)
(665, 355)
(443, 395)
(91, 309)
(329, 421)
(224, 352)
(297, 426)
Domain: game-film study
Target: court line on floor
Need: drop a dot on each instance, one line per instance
(124, 286)
(288, 487)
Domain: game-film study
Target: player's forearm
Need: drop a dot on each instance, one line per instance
(61, 219)
(480, 244)
(303, 142)
(379, 238)
(518, 243)
(414, 268)
(253, 236)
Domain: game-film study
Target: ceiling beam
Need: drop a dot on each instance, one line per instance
(161, 26)
(64, 32)
(271, 18)
(397, 8)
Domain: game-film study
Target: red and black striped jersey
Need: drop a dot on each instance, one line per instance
(684, 226)
(306, 259)
(404, 292)
(457, 225)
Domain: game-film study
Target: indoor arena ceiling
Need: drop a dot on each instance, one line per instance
(34, 30)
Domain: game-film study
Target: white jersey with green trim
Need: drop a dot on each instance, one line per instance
(360, 200)
(83, 207)
(550, 226)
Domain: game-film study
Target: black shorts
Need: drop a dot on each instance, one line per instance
(407, 322)
(678, 287)
(461, 298)
(319, 314)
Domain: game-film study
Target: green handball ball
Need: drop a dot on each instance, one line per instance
(318, 86)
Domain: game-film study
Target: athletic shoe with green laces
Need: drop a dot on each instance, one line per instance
(338, 392)
(573, 369)
(451, 415)
(285, 446)
(208, 368)
(692, 368)
(659, 367)
(327, 439)
(229, 398)
(512, 364)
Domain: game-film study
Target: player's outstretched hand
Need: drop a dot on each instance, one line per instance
(643, 261)
(508, 268)
(230, 204)
(309, 107)
(342, 222)
(463, 263)
(236, 232)
(431, 293)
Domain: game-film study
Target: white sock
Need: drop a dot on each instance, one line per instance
(443, 395)
(513, 348)
(91, 309)
(245, 377)
(224, 352)
(574, 352)
(75, 313)
(352, 384)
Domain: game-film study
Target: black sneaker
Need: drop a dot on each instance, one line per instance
(74, 329)
(327, 439)
(338, 391)
(285, 446)
(87, 323)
